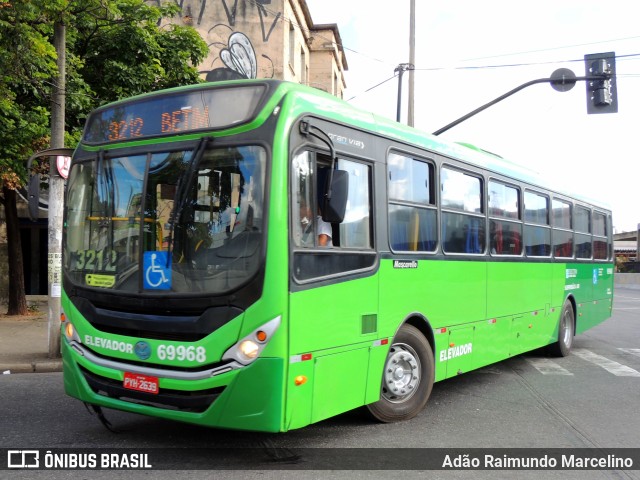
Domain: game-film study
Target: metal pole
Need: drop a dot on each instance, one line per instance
(400, 70)
(638, 249)
(552, 80)
(56, 195)
(412, 61)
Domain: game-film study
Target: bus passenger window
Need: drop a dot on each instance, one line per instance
(505, 229)
(537, 233)
(462, 232)
(562, 234)
(412, 214)
(582, 227)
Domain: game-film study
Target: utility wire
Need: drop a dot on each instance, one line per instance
(511, 65)
(551, 49)
(371, 88)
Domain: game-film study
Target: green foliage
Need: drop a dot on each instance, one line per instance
(115, 49)
(27, 65)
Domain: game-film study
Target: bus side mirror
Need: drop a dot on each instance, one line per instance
(335, 200)
(33, 197)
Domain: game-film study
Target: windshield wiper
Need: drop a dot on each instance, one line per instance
(184, 183)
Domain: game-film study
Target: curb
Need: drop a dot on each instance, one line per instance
(44, 366)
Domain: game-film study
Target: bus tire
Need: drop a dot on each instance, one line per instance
(566, 331)
(407, 378)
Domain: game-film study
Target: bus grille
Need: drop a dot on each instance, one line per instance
(187, 401)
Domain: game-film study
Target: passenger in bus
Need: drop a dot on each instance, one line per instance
(324, 228)
(324, 233)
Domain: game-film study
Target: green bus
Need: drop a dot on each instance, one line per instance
(261, 255)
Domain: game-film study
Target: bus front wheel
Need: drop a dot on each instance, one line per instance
(566, 331)
(407, 378)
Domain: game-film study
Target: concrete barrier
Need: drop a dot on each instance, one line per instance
(626, 280)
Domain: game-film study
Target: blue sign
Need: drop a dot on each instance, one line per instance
(157, 271)
(595, 276)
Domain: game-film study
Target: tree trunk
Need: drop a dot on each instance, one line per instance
(17, 298)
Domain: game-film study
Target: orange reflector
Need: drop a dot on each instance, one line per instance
(261, 336)
(63, 317)
(443, 330)
(300, 380)
(452, 345)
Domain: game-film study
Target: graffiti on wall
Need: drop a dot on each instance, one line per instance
(232, 54)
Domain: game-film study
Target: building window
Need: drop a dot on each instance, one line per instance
(292, 45)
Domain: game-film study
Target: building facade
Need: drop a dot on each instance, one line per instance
(266, 39)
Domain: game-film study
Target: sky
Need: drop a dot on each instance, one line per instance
(470, 52)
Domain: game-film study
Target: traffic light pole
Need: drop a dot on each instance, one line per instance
(562, 82)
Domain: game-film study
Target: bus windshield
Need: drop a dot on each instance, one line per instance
(187, 221)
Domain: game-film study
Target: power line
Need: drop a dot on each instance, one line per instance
(371, 88)
(511, 65)
(551, 48)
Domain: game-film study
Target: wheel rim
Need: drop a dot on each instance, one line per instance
(401, 373)
(567, 333)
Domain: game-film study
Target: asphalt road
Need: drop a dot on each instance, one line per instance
(589, 399)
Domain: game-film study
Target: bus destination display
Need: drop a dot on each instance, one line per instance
(172, 114)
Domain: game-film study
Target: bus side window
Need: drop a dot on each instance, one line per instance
(412, 214)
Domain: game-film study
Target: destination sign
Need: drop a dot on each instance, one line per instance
(177, 112)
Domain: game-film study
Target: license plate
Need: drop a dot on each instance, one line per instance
(141, 383)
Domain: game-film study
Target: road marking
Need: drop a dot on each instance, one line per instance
(632, 351)
(616, 368)
(547, 367)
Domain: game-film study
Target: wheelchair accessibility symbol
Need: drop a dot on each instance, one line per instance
(157, 271)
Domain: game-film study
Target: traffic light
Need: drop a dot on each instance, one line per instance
(602, 94)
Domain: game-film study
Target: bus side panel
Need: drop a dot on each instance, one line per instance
(332, 327)
(444, 292)
(518, 288)
(339, 383)
(594, 295)
(331, 316)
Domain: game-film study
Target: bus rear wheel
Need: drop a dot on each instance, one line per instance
(566, 331)
(407, 378)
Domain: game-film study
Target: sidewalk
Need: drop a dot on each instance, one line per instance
(24, 343)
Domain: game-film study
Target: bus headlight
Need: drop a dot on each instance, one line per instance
(70, 332)
(247, 349)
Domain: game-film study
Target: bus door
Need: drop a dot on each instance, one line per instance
(334, 292)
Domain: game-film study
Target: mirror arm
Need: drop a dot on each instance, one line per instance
(307, 129)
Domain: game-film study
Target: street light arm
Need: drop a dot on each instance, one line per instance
(516, 90)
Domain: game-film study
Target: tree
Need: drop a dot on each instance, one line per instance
(115, 49)
(27, 62)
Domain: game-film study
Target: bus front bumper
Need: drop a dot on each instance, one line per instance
(249, 398)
